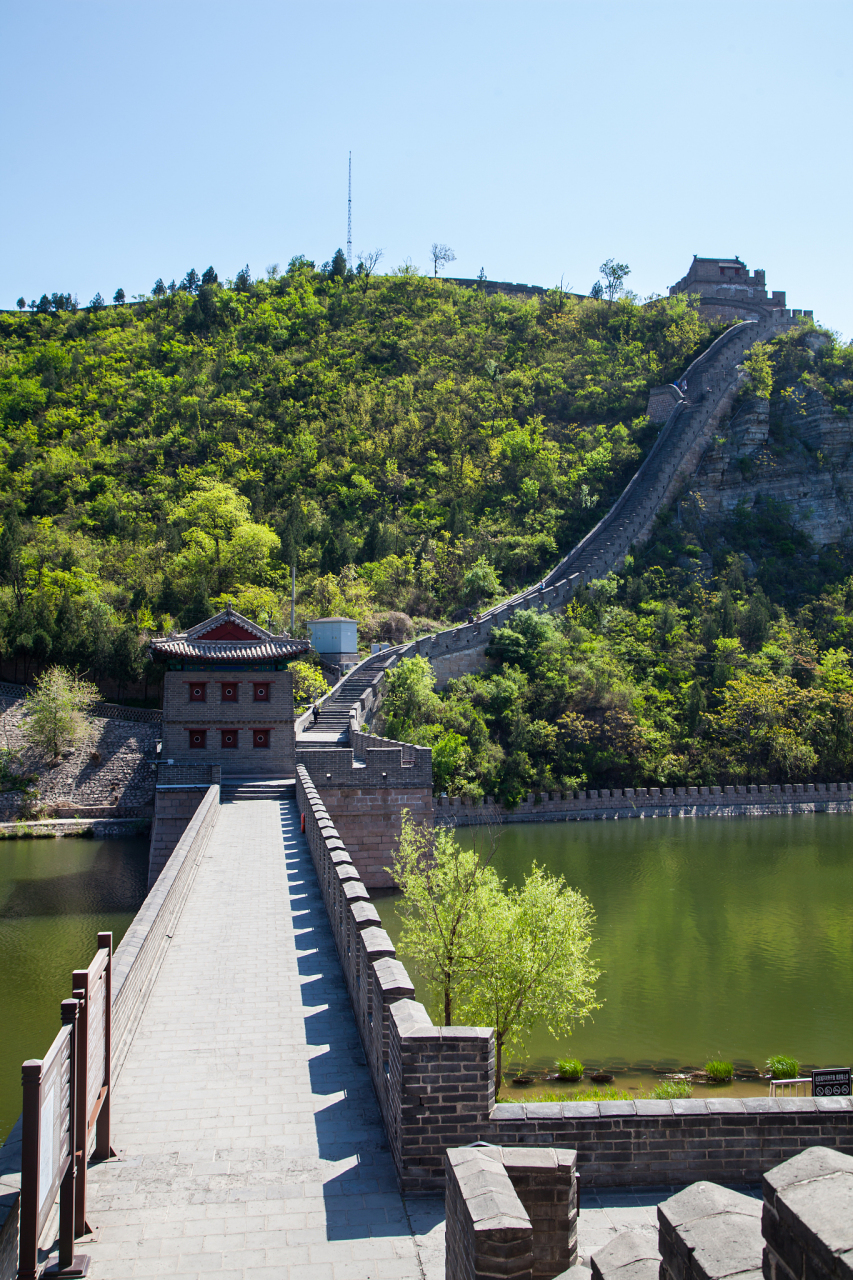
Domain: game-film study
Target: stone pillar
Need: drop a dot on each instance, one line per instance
(708, 1232)
(808, 1217)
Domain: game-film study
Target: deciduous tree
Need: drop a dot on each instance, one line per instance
(442, 255)
(54, 713)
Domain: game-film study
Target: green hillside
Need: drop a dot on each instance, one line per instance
(419, 448)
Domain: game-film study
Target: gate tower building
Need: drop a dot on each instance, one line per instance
(228, 696)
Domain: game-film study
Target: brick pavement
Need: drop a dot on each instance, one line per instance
(249, 1138)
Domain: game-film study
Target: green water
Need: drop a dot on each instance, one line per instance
(724, 938)
(55, 897)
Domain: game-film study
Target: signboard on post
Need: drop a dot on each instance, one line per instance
(93, 988)
(832, 1082)
(47, 1151)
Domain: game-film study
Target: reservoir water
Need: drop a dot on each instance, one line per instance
(55, 897)
(719, 938)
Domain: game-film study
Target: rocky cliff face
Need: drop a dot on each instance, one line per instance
(796, 450)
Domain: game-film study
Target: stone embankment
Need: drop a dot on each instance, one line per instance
(110, 774)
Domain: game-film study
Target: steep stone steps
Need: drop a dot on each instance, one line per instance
(234, 790)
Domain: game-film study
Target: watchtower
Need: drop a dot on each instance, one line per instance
(228, 696)
(726, 288)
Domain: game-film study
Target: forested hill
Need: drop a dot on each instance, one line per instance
(418, 447)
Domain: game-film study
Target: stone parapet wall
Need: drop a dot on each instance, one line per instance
(435, 1085)
(136, 964)
(652, 802)
(172, 815)
(648, 1143)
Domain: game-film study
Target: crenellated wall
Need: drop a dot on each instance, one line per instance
(435, 1085)
(653, 802)
(365, 789)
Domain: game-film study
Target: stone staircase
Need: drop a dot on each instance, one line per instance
(332, 728)
(235, 789)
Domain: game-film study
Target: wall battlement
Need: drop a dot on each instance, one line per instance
(435, 1085)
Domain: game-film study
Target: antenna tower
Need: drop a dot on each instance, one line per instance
(349, 217)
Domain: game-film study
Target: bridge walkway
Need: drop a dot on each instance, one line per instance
(250, 1142)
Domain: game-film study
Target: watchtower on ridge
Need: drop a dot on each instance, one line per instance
(727, 290)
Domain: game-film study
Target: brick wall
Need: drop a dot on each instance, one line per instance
(511, 1211)
(435, 1085)
(365, 790)
(653, 802)
(180, 715)
(172, 813)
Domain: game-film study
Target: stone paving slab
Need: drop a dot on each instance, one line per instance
(250, 1142)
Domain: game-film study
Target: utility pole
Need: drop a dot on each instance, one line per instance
(292, 599)
(349, 217)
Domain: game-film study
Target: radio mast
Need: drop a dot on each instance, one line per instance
(349, 217)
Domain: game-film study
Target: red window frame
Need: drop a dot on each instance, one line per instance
(198, 739)
(261, 739)
(197, 691)
(233, 696)
(261, 696)
(234, 735)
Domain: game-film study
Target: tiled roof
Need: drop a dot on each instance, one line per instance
(227, 650)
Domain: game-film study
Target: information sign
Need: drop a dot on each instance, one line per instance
(833, 1082)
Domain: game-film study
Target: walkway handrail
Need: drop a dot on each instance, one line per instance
(792, 1084)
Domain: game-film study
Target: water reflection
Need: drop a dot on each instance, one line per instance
(718, 938)
(55, 896)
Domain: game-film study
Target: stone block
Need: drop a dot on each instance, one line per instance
(632, 1255)
(708, 1232)
(808, 1217)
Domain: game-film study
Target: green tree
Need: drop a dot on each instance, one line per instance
(614, 274)
(760, 369)
(445, 891)
(409, 700)
(532, 944)
(54, 712)
(442, 255)
(21, 304)
(309, 684)
(119, 297)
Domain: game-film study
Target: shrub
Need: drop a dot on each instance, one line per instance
(782, 1067)
(719, 1072)
(672, 1089)
(569, 1069)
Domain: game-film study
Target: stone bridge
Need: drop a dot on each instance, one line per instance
(281, 1105)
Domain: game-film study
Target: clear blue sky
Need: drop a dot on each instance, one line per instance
(535, 138)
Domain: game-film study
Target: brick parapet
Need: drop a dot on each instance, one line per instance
(513, 1206)
(435, 1085)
